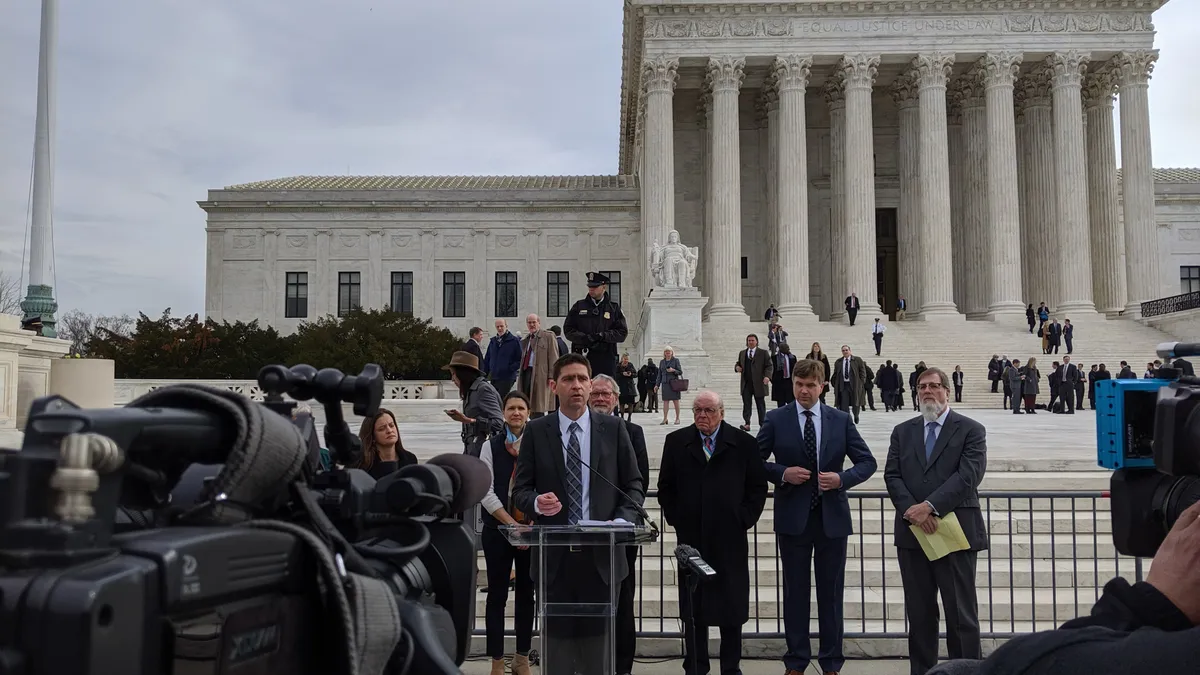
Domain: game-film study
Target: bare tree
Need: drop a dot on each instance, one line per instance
(79, 327)
(10, 293)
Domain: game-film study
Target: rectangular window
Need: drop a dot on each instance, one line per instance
(295, 299)
(614, 286)
(349, 292)
(745, 267)
(506, 294)
(454, 294)
(1189, 278)
(558, 293)
(402, 292)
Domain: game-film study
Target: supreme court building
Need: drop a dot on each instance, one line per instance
(961, 153)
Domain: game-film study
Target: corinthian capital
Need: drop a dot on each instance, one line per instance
(859, 70)
(791, 72)
(904, 90)
(1067, 68)
(659, 74)
(969, 88)
(1036, 86)
(1134, 68)
(835, 93)
(932, 70)
(725, 73)
(1000, 69)
(1099, 88)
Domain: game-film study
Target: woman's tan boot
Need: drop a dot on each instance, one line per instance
(520, 665)
(497, 667)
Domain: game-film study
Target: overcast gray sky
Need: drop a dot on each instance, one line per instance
(160, 101)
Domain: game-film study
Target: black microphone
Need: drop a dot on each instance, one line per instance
(1178, 350)
(690, 560)
(641, 511)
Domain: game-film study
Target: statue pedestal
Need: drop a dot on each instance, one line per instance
(13, 341)
(671, 316)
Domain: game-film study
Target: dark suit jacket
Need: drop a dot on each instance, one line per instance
(541, 468)
(949, 480)
(1069, 375)
(472, 347)
(782, 436)
(758, 368)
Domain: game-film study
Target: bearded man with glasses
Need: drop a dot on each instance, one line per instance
(712, 488)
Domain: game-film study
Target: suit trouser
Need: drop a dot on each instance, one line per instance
(500, 556)
(853, 314)
(958, 393)
(844, 394)
(954, 578)
(576, 644)
(626, 638)
(827, 557)
(1067, 394)
(878, 338)
(760, 402)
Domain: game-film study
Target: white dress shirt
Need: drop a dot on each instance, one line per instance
(585, 453)
(937, 430)
(816, 418)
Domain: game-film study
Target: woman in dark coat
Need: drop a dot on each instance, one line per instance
(781, 376)
(712, 503)
(817, 355)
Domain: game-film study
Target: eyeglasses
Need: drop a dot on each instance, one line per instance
(929, 386)
(704, 411)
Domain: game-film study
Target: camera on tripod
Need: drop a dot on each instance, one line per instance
(1148, 433)
(193, 531)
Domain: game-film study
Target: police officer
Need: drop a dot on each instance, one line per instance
(595, 325)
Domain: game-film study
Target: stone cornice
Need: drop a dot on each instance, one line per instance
(423, 207)
(702, 8)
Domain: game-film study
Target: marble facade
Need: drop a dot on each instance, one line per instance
(963, 155)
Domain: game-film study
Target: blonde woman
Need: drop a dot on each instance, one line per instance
(669, 370)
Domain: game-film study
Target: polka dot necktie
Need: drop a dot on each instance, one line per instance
(810, 447)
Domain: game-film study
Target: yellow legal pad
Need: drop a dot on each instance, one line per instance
(948, 538)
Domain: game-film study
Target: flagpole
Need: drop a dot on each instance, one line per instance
(39, 299)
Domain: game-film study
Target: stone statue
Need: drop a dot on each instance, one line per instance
(674, 265)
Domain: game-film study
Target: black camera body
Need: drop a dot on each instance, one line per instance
(1148, 433)
(178, 539)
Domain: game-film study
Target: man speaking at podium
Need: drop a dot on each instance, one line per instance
(554, 482)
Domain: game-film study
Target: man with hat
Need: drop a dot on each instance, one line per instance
(595, 326)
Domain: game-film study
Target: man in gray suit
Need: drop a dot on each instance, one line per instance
(754, 365)
(934, 466)
(553, 482)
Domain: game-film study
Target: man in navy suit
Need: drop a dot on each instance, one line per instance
(810, 442)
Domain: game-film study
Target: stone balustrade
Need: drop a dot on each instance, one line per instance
(128, 390)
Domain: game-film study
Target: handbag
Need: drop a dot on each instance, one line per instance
(679, 384)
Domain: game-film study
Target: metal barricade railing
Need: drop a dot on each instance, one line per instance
(1169, 304)
(1050, 555)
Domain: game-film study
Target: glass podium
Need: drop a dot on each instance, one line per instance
(573, 567)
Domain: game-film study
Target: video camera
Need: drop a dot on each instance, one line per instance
(1148, 432)
(193, 531)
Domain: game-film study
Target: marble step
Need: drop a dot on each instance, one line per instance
(654, 571)
(871, 603)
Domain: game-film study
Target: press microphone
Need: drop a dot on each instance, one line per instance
(1178, 350)
(690, 560)
(641, 511)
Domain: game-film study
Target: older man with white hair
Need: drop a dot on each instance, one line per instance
(712, 487)
(603, 401)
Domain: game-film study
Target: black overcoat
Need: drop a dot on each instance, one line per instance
(712, 503)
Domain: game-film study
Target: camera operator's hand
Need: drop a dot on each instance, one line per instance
(548, 504)
(1174, 570)
(796, 475)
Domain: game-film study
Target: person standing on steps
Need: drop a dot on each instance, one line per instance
(810, 443)
(849, 379)
(852, 307)
(935, 463)
(595, 326)
(958, 383)
(877, 335)
(754, 365)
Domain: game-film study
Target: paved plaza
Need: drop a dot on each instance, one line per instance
(1035, 443)
(755, 667)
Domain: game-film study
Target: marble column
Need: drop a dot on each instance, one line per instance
(858, 73)
(1023, 182)
(1137, 180)
(1072, 252)
(768, 104)
(974, 188)
(658, 168)
(704, 118)
(904, 93)
(1043, 191)
(725, 74)
(1005, 299)
(791, 196)
(1107, 237)
(958, 243)
(936, 238)
(835, 96)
